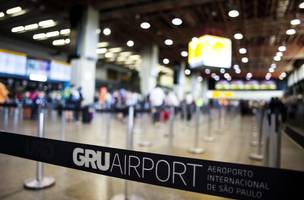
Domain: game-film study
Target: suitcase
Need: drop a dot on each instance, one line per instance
(27, 113)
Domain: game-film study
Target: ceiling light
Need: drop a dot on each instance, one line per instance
(101, 50)
(52, 34)
(268, 76)
(279, 54)
(187, 71)
(242, 50)
(291, 31)
(207, 71)
(47, 23)
(65, 31)
(233, 13)
(39, 36)
(109, 55)
(134, 57)
(273, 65)
(130, 43)
(222, 71)
(166, 61)
(31, 27)
(244, 60)
(271, 70)
(277, 58)
(283, 74)
(145, 25)
(249, 76)
(168, 42)
(59, 42)
(177, 21)
(115, 50)
(17, 29)
(295, 22)
(282, 48)
(98, 31)
(102, 44)
(238, 36)
(184, 53)
(238, 71)
(106, 31)
(67, 41)
(2, 14)
(200, 79)
(226, 75)
(236, 66)
(125, 53)
(301, 5)
(13, 10)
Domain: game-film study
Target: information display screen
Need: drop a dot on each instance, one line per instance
(246, 85)
(60, 71)
(12, 62)
(38, 66)
(211, 51)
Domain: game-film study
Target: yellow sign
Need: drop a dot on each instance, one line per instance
(210, 51)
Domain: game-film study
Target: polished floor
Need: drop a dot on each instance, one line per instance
(233, 137)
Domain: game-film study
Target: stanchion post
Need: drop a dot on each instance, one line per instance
(171, 125)
(209, 137)
(40, 182)
(108, 127)
(260, 123)
(5, 112)
(196, 149)
(63, 123)
(143, 141)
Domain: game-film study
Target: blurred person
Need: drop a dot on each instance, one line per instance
(3, 93)
(157, 97)
(189, 106)
(76, 100)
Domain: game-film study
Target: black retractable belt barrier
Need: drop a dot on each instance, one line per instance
(210, 177)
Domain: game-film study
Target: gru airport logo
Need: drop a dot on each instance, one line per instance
(139, 168)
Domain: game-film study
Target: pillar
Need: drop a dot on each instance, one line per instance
(149, 70)
(84, 66)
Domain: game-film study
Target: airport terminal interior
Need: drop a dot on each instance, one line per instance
(206, 80)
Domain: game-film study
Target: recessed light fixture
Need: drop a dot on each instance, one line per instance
(168, 42)
(184, 54)
(65, 31)
(166, 61)
(291, 31)
(233, 13)
(248, 75)
(268, 76)
(13, 10)
(177, 21)
(145, 25)
(301, 5)
(295, 22)
(115, 50)
(238, 36)
(39, 36)
(271, 70)
(130, 43)
(2, 14)
(242, 50)
(245, 60)
(279, 53)
(200, 79)
(207, 71)
(187, 71)
(31, 27)
(17, 29)
(236, 67)
(282, 48)
(52, 34)
(109, 55)
(273, 65)
(67, 41)
(98, 31)
(47, 23)
(101, 51)
(106, 31)
(102, 44)
(222, 71)
(238, 71)
(277, 58)
(59, 42)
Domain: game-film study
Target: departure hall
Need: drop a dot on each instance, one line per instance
(151, 99)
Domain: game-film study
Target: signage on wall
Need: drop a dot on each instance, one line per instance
(13, 63)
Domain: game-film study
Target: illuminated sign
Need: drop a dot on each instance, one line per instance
(245, 85)
(60, 71)
(12, 62)
(212, 51)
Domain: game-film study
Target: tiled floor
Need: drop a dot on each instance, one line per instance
(233, 135)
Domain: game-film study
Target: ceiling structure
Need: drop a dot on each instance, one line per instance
(263, 24)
